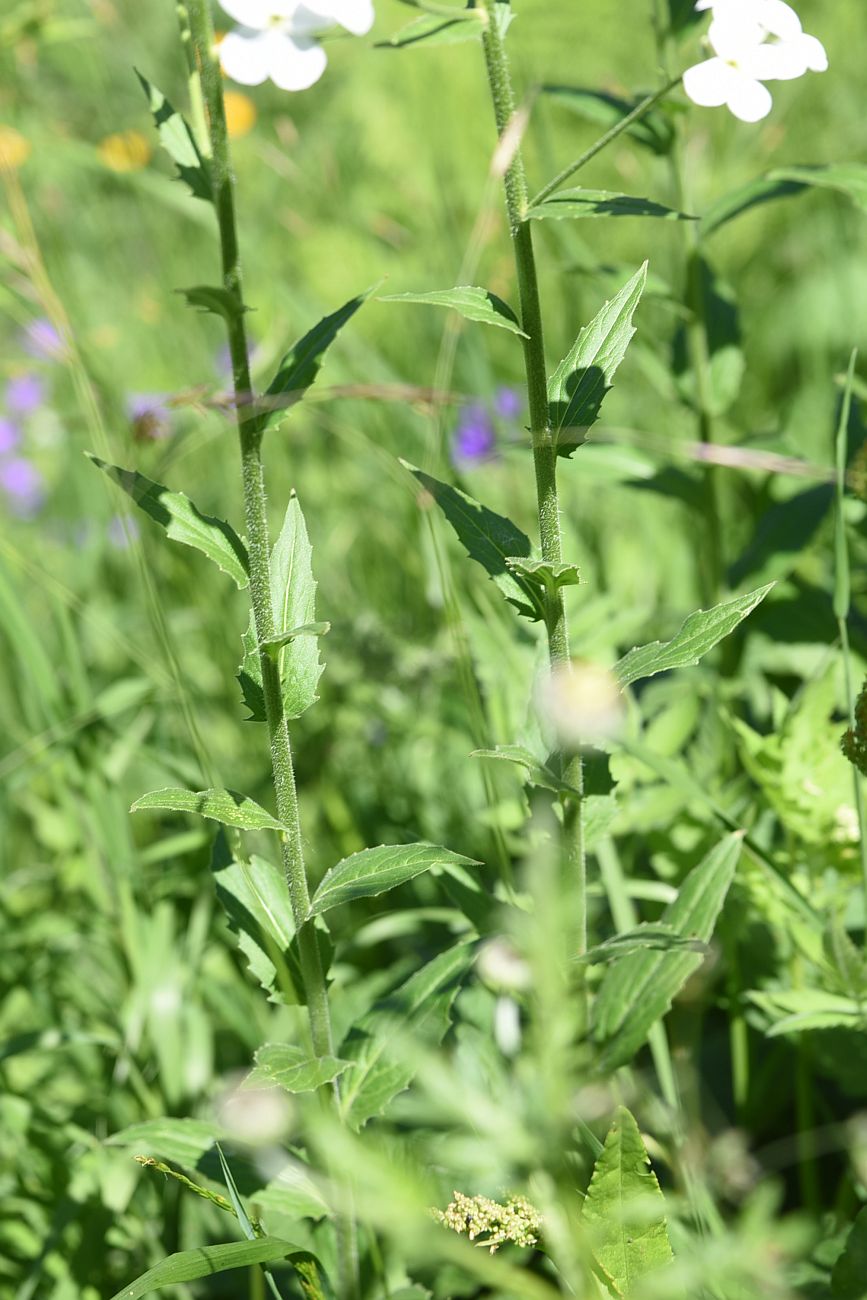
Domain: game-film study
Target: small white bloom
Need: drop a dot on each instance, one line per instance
(276, 39)
(753, 41)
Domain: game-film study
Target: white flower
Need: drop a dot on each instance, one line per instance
(753, 41)
(276, 39)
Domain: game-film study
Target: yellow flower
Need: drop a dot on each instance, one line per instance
(125, 151)
(14, 147)
(240, 113)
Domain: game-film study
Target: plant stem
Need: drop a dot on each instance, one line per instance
(544, 450)
(641, 110)
(250, 430)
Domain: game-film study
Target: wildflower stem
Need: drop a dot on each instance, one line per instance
(544, 450)
(641, 110)
(250, 430)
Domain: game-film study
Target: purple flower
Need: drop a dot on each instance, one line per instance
(42, 340)
(24, 394)
(22, 483)
(474, 439)
(9, 437)
(149, 415)
(508, 403)
(122, 531)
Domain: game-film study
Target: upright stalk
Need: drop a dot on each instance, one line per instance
(250, 430)
(544, 449)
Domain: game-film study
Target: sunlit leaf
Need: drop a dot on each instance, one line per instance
(256, 898)
(373, 871)
(293, 1069)
(179, 142)
(226, 806)
(577, 204)
(469, 301)
(205, 1261)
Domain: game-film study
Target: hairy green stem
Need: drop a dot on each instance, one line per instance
(250, 429)
(544, 449)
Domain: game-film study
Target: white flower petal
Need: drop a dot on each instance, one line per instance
(249, 13)
(732, 34)
(296, 62)
(778, 18)
(814, 53)
(749, 100)
(245, 55)
(711, 83)
(355, 15)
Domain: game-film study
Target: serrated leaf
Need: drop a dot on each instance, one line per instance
(661, 938)
(293, 597)
(577, 204)
(469, 301)
(374, 871)
(182, 520)
(380, 1047)
(256, 899)
(545, 576)
(226, 806)
(301, 364)
(846, 178)
(799, 1010)
(179, 143)
(215, 300)
(638, 989)
(538, 774)
(204, 1261)
(489, 538)
(275, 643)
(849, 1274)
(699, 634)
(624, 1210)
(578, 386)
(293, 1069)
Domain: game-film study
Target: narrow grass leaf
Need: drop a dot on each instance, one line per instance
(183, 521)
(470, 302)
(178, 140)
(490, 539)
(638, 989)
(205, 1261)
(293, 1069)
(577, 204)
(624, 1210)
(226, 806)
(578, 386)
(374, 871)
(699, 634)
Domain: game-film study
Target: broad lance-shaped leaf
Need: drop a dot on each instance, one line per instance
(226, 806)
(624, 1210)
(204, 1261)
(293, 597)
(302, 363)
(489, 538)
(182, 520)
(638, 990)
(576, 204)
(293, 1069)
(373, 871)
(256, 899)
(384, 1046)
(469, 301)
(700, 633)
(578, 386)
(846, 178)
(179, 142)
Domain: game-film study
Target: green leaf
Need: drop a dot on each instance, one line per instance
(205, 1261)
(374, 871)
(637, 990)
(578, 386)
(275, 643)
(384, 1045)
(661, 938)
(653, 130)
(293, 597)
(579, 203)
(846, 178)
(256, 899)
(226, 806)
(489, 539)
(179, 142)
(302, 363)
(794, 1011)
(293, 1069)
(471, 302)
(444, 29)
(182, 520)
(849, 1274)
(624, 1210)
(538, 773)
(215, 300)
(183, 1141)
(700, 633)
(544, 575)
